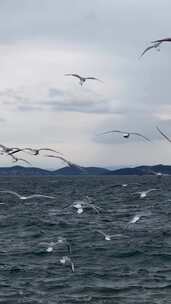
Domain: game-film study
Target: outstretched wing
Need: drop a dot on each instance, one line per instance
(48, 149)
(162, 40)
(139, 134)
(69, 163)
(146, 50)
(112, 131)
(40, 195)
(101, 232)
(94, 78)
(10, 192)
(74, 75)
(164, 135)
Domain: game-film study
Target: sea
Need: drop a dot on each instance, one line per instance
(133, 267)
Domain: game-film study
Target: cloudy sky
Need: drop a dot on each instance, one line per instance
(42, 40)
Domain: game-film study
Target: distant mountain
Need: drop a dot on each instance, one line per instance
(142, 170)
(68, 171)
(32, 171)
(87, 170)
(22, 171)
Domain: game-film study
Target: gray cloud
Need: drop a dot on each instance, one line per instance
(42, 40)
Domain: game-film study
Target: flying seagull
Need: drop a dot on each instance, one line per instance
(137, 217)
(144, 193)
(15, 159)
(37, 151)
(66, 260)
(9, 150)
(164, 135)
(108, 236)
(155, 45)
(23, 197)
(69, 163)
(126, 134)
(83, 79)
(60, 241)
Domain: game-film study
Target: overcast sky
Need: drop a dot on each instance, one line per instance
(41, 40)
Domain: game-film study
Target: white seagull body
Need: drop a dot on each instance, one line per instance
(23, 197)
(83, 79)
(137, 216)
(66, 260)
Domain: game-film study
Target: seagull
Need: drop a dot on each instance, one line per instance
(80, 205)
(83, 79)
(37, 151)
(144, 193)
(66, 260)
(164, 135)
(69, 163)
(126, 134)
(23, 197)
(15, 159)
(155, 45)
(107, 236)
(8, 150)
(137, 217)
(60, 240)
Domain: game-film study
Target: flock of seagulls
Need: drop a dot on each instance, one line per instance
(80, 205)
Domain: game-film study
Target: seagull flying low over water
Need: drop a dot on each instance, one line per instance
(164, 135)
(60, 241)
(80, 205)
(23, 197)
(126, 134)
(108, 236)
(144, 193)
(83, 79)
(155, 45)
(137, 216)
(66, 260)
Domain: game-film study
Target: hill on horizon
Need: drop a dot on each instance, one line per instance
(69, 171)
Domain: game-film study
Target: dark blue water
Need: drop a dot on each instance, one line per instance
(132, 268)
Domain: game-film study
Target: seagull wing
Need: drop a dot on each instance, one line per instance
(48, 149)
(147, 49)
(69, 163)
(162, 40)
(40, 195)
(10, 192)
(164, 135)
(74, 75)
(101, 232)
(154, 189)
(93, 78)
(139, 134)
(92, 206)
(113, 131)
(24, 160)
